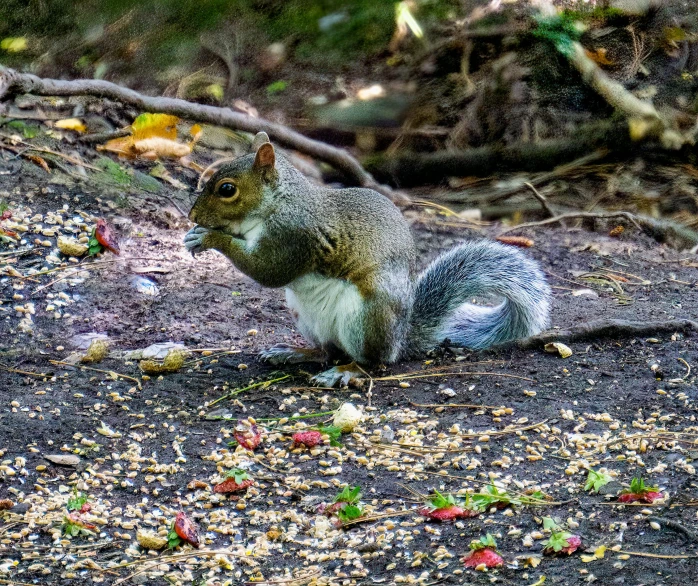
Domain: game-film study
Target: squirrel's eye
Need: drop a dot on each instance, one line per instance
(227, 189)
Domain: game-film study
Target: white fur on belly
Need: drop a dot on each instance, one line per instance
(325, 308)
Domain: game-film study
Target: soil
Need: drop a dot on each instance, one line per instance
(606, 388)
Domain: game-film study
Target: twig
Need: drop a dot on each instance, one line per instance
(675, 526)
(657, 555)
(109, 372)
(611, 328)
(287, 581)
(543, 201)
(412, 375)
(247, 388)
(577, 215)
(377, 517)
(453, 405)
(100, 137)
(32, 147)
(14, 81)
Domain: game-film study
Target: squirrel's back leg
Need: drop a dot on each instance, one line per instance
(376, 335)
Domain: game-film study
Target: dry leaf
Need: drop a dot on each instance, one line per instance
(153, 136)
(107, 431)
(150, 540)
(71, 247)
(599, 56)
(598, 554)
(97, 351)
(71, 124)
(37, 160)
(559, 348)
(617, 231)
(516, 241)
(63, 459)
(173, 362)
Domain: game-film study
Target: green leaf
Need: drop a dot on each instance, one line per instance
(349, 494)
(349, 513)
(493, 496)
(484, 541)
(334, 433)
(638, 486)
(76, 502)
(237, 474)
(558, 540)
(276, 87)
(173, 540)
(549, 523)
(595, 480)
(441, 501)
(93, 245)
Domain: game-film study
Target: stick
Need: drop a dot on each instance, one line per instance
(611, 328)
(577, 215)
(543, 201)
(14, 81)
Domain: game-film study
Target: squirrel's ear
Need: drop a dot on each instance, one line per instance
(259, 139)
(265, 157)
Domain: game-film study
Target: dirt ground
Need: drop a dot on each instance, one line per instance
(533, 420)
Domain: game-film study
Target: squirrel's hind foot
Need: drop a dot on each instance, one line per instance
(338, 376)
(285, 354)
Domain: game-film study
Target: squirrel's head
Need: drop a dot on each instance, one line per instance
(236, 188)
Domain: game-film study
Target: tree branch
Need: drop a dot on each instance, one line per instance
(12, 81)
(612, 328)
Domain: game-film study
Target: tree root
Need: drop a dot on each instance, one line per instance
(611, 328)
(12, 81)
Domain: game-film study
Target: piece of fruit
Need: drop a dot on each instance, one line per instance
(106, 237)
(247, 434)
(483, 557)
(483, 554)
(442, 507)
(236, 480)
(640, 492)
(309, 439)
(562, 542)
(347, 417)
(185, 529)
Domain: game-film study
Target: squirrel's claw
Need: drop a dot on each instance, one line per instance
(194, 239)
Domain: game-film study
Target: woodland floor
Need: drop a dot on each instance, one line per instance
(605, 389)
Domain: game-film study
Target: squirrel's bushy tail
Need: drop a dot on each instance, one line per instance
(444, 292)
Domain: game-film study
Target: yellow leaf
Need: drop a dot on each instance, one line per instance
(216, 91)
(539, 582)
(599, 552)
(14, 44)
(161, 147)
(560, 348)
(71, 124)
(639, 128)
(122, 146)
(150, 125)
(195, 131)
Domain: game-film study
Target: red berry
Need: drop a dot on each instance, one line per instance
(86, 508)
(486, 556)
(644, 497)
(447, 513)
(574, 542)
(309, 439)
(185, 529)
(247, 435)
(229, 485)
(105, 237)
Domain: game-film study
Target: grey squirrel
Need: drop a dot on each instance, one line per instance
(347, 260)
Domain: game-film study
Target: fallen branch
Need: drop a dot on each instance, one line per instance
(612, 328)
(576, 215)
(12, 81)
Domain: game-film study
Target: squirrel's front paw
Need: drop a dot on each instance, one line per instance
(194, 239)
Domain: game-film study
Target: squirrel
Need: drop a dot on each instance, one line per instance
(346, 258)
